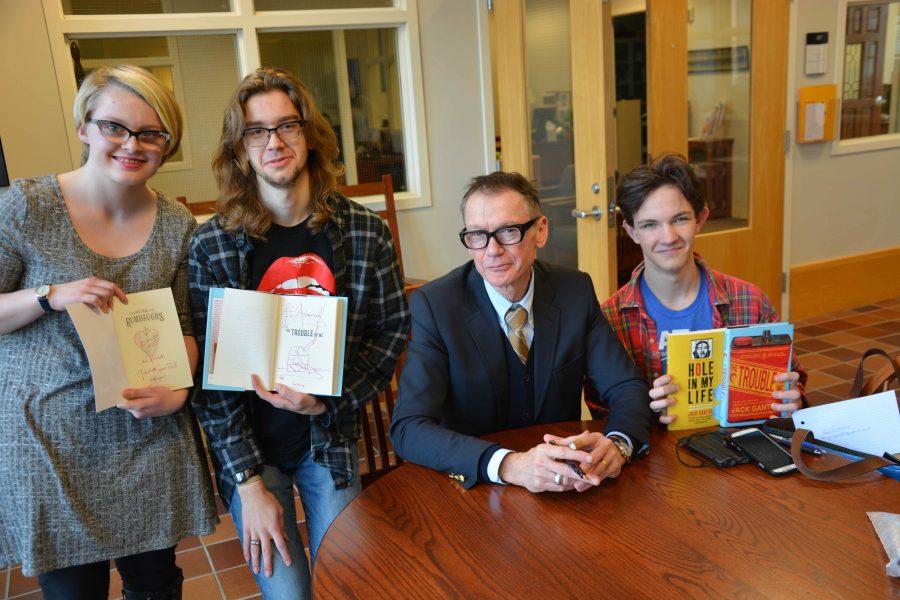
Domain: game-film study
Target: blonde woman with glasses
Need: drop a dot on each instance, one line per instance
(77, 487)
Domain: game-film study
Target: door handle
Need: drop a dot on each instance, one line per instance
(595, 212)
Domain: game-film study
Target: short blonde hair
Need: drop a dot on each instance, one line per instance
(140, 83)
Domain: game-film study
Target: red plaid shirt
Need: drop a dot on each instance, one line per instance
(736, 303)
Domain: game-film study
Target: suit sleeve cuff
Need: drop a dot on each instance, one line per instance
(493, 467)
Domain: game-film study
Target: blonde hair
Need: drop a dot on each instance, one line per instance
(140, 83)
(239, 204)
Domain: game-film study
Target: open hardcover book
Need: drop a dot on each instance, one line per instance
(135, 345)
(294, 340)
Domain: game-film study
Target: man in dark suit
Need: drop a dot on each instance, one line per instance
(505, 341)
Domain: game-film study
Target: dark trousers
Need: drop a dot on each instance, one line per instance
(149, 575)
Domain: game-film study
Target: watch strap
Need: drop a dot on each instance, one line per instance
(243, 477)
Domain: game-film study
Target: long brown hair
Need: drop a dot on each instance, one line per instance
(239, 204)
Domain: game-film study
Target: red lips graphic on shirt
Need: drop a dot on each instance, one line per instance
(306, 274)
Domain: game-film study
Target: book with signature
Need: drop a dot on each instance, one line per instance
(695, 362)
(294, 340)
(138, 344)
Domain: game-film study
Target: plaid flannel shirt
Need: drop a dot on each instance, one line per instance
(736, 303)
(367, 273)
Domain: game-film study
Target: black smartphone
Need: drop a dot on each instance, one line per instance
(768, 455)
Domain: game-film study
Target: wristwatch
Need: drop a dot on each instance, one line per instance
(622, 446)
(42, 291)
(242, 477)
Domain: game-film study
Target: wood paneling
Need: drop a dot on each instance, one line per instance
(829, 285)
(593, 89)
(667, 98)
(507, 23)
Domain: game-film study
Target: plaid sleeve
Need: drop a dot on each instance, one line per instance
(223, 414)
(386, 328)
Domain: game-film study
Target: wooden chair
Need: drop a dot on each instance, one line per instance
(385, 188)
(198, 208)
(377, 414)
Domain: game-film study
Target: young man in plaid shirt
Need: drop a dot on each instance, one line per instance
(282, 228)
(674, 290)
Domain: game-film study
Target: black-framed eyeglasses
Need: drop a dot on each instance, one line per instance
(288, 132)
(119, 134)
(507, 235)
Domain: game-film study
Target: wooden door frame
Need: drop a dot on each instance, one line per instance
(754, 252)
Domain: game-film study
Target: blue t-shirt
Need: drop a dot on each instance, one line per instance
(695, 317)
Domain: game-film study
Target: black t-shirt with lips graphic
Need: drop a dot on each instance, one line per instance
(291, 260)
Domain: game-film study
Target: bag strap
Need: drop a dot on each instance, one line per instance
(848, 471)
(856, 388)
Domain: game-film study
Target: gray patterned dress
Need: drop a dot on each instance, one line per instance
(78, 486)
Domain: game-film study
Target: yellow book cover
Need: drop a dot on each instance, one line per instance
(138, 344)
(696, 364)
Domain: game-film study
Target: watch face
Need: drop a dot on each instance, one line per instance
(42, 291)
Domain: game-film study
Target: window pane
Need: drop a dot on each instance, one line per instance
(202, 70)
(262, 5)
(360, 95)
(870, 100)
(719, 48)
(144, 7)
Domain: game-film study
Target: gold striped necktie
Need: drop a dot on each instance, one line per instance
(515, 320)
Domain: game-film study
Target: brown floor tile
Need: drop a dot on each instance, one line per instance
(4, 576)
(194, 563)
(224, 531)
(202, 588)
(238, 582)
(841, 354)
(893, 340)
(225, 555)
(220, 507)
(814, 320)
(870, 332)
(863, 319)
(813, 345)
(842, 338)
(819, 380)
(298, 509)
(842, 371)
(891, 326)
(816, 361)
(115, 585)
(19, 584)
(818, 398)
(887, 314)
(188, 543)
(865, 345)
(813, 330)
(841, 390)
(867, 308)
(837, 325)
(31, 596)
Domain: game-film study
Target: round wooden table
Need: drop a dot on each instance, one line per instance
(660, 530)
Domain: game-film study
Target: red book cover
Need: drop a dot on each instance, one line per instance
(754, 362)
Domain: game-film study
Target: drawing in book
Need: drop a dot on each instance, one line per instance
(147, 339)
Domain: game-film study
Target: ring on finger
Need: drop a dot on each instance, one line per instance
(559, 478)
(255, 543)
(657, 410)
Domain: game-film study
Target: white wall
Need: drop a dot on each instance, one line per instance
(845, 204)
(458, 129)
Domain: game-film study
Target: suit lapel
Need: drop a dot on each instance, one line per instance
(546, 333)
(483, 328)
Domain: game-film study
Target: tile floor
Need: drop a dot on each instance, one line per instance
(828, 347)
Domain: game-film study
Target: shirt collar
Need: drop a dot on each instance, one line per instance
(501, 304)
(633, 297)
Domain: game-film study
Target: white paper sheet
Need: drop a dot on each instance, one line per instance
(868, 424)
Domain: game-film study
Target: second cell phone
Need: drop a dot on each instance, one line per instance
(765, 452)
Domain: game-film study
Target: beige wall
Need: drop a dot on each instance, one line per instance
(840, 205)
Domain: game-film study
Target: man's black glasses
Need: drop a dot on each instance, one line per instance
(507, 235)
(288, 132)
(119, 134)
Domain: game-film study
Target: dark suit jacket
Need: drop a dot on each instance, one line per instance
(454, 385)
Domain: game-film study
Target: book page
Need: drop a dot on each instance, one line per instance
(151, 341)
(214, 314)
(307, 341)
(98, 336)
(246, 339)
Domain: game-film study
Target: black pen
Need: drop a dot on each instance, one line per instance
(804, 448)
(571, 463)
